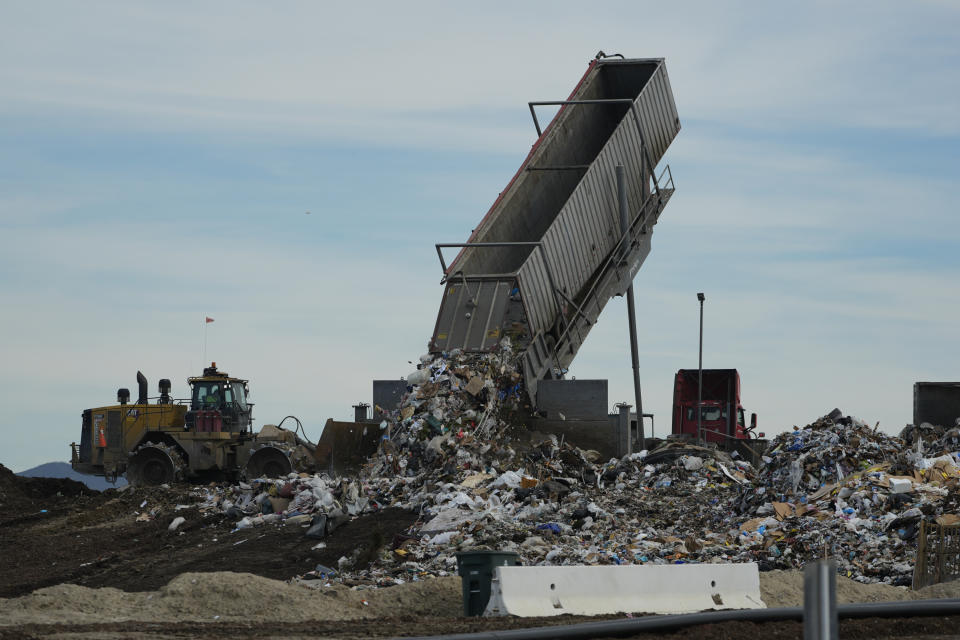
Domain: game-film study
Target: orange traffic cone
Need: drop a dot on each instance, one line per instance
(102, 438)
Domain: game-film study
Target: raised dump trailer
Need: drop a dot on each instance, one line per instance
(551, 251)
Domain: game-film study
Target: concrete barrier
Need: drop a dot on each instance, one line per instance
(594, 590)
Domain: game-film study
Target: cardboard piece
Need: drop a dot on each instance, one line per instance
(783, 510)
(752, 524)
(475, 480)
(475, 385)
(822, 492)
(279, 505)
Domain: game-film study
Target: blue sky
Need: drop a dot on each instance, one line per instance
(157, 161)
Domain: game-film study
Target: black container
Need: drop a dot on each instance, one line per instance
(476, 573)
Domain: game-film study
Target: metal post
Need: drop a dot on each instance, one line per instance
(820, 601)
(631, 308)
(623, 430)
(920, 565)
(700, 437)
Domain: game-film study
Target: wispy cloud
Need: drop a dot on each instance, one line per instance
(344, 73)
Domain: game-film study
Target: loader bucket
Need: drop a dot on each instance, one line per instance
(344, 447)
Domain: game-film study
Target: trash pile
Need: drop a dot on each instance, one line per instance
(841, 489)
(455, 452)
(831, 448)
(455, 415)
(931, 440)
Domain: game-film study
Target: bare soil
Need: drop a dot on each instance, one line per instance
(57, 531)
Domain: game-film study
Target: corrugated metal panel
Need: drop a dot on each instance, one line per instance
(538, 298)
(606, 285)
(658, 114)
(580, 228)
(471, 314)
(593, 204)
(446, 319)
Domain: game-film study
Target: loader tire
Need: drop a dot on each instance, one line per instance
(151, 466)
(268, 462)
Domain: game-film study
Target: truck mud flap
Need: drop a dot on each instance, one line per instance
(594, 590)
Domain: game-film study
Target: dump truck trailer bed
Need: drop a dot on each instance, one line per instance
(550, 252)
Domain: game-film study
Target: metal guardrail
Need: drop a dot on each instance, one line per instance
(938, 554)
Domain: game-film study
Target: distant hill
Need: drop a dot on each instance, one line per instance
(64, 470)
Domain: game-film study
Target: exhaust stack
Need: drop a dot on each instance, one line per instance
(142, 383)
(164, 391)
(360, 412)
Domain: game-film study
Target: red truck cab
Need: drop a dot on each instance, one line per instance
(722, 416)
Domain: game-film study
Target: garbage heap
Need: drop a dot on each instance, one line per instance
(859, 499)
(931, 440)
(841, 489)
(456, 452)
(458, 416)
(831, 448)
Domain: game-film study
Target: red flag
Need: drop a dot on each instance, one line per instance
(209, 319)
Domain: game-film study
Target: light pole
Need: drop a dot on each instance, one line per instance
(701, 298)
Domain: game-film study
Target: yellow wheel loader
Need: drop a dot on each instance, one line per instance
(208, 435)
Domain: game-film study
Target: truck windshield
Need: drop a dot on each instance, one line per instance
(709, 413)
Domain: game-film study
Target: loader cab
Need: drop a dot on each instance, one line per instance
(219, 402)
(214, 394)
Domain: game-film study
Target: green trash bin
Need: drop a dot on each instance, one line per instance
(476, 573)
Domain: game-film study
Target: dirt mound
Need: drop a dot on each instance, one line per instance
(240, 597)
(9, 489)
(785, 589)
(20, 494)
(234, 597)
(41, 488)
